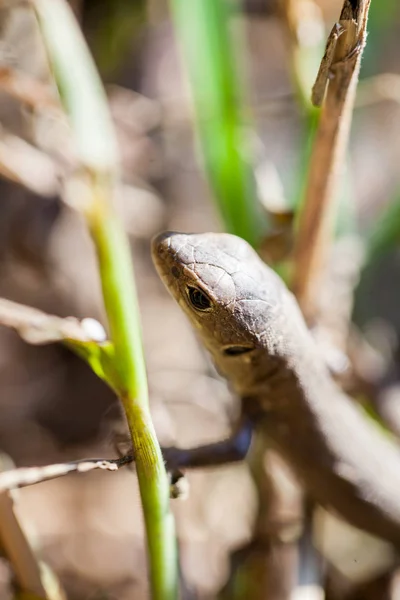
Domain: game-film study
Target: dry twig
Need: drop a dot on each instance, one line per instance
(31, 578)
(267, 566)
(37, 327)
(339, 69)
(24, 164)
(18, 550)
(17, 478)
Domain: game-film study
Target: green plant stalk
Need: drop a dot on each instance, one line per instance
(120, 300)
(84, 100)
(202, 28)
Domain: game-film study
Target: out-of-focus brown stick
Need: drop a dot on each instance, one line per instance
(30, 92)
(37, 327)
(25, 476)
(267, 567)
(17, 549)
(24, 164)
(340, 65)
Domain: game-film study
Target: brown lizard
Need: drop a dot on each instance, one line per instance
(252, 327)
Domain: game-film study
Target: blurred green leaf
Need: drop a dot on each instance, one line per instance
(84, 100)
(383, 18)
(112, 27)
(385, 232)
(101, 358)
(211, 57)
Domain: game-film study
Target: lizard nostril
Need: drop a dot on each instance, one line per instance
(175, 272)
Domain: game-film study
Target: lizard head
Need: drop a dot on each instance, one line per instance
(229, 294)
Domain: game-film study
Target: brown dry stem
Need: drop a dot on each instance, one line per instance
(24, 164)
(31, 578)
(339, 69)
(267, 566)
(37, 327)
(18, 550)
(25, 476)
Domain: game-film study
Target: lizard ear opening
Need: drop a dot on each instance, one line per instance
(237, 350)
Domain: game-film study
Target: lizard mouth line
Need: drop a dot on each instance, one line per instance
(237, 350)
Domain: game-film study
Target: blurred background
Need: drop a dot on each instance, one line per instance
(88, 528)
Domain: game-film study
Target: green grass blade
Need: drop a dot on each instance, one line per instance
(85, 103)
(207, 50)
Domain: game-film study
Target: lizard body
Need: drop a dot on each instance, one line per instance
(257, 337)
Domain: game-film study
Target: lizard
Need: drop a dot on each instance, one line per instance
(253, 328)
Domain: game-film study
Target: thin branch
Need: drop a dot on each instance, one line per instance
(18, 551)
(32, 578)
(25, 476)
(37, 327)
(24, 164)
(272, 552)
(339, 70)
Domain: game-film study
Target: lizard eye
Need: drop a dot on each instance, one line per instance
(198, 299)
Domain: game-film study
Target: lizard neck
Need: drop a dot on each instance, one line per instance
(287, 375)
(287, 385)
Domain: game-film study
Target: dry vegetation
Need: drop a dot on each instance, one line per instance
(88, 528)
